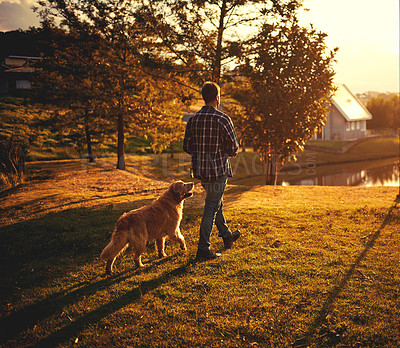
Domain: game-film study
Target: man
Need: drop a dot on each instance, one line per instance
(210, 139)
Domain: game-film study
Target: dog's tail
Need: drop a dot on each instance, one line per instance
(116, 245)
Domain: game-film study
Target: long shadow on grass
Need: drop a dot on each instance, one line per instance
(26, 318)
(72, 330)
(49, 244)
(16, 208)
(306, 340)
(139, 202)
(12, 190)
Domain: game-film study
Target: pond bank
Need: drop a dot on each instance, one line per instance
(249, 171)
(337, 146)
(382, 172)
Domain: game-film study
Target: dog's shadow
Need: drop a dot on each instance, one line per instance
(28, 317)
(72, 329)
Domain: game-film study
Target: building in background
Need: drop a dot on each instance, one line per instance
(16, 74)
(347, 119)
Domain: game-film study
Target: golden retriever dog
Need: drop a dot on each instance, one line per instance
(157, 221)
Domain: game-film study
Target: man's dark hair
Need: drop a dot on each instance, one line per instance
(210, 91)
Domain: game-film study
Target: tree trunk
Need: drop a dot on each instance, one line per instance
(216, 74)
(88, 138)
(121, 150)
(271, 170)
(241, 142)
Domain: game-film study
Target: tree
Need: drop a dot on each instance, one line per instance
(69, 80)
(127, 78)
(284, 92)
(207, 37)
(23, 43)
(20, 131)
(385, 112)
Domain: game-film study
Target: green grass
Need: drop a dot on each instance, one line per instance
(330, 144)
(56, 153)
(306, 272)
(375, 148)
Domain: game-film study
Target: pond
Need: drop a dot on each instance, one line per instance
(383, 172)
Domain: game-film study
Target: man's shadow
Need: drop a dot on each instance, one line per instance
(27, 317)
(319, 319)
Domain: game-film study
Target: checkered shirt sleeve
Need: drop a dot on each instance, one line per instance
(210, 139)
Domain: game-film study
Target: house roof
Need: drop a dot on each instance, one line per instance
(24, 69)
(24, 57)
(348, 105)
(18, 61)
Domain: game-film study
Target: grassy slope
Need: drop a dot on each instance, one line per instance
(315, 266)
(371, 149)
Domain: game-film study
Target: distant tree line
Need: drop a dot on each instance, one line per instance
(120, 67)
(32, 42)
(385, 111)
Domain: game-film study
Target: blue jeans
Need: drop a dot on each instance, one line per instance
(213, 212)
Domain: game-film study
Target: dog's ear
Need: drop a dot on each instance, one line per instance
(176, 194)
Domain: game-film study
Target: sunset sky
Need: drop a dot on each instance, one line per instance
(366, 32)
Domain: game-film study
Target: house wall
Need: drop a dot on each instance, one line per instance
(23, 84)
(15, 83)
(338, 128)
(3, 85)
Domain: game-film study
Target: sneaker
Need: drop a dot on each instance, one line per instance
(205, 255)
(228, 241)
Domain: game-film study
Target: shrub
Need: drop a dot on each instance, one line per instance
(13, 151)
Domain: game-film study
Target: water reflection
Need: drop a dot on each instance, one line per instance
(377, 173)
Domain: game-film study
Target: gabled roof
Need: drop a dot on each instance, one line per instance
(348, 105)
(18, 61)
(24, 69)
(24, 57)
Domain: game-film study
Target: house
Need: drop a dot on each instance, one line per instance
(347, 119)
(16, 74)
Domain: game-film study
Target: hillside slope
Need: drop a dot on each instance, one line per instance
(315, 266)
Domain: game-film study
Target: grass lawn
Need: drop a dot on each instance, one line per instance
(315, 266)
(371, 149)
(330, 144)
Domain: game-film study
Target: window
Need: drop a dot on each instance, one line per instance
(353, 125)
(347, 126)
(22, 84)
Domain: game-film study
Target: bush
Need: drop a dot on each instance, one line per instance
(13, 153)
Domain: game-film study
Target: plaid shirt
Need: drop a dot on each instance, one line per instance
(210, 139)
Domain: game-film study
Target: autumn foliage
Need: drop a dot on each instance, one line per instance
(134, 66)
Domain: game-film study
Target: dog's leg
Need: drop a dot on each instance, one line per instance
(160, 243)
(109, 266)
(111, 251)
(138, 260)
(139, 249)
(178, 237)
